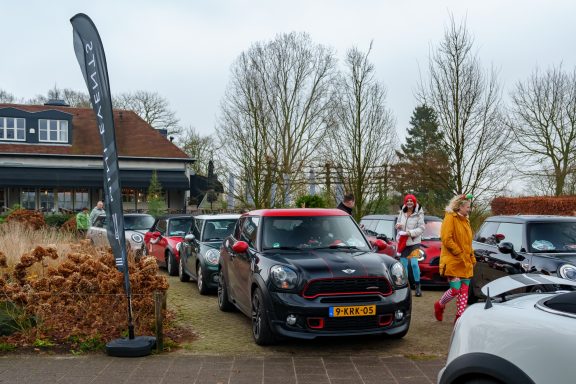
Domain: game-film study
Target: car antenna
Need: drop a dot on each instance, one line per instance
(488, 299)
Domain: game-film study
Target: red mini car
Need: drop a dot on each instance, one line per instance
(383, 227)
(163, 238)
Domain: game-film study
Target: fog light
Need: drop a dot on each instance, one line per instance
(215, 277)
(399, 315)
(291, 320)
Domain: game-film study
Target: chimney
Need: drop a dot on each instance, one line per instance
(57, 103)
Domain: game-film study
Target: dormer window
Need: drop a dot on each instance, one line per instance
(53, 131)
(12, 128)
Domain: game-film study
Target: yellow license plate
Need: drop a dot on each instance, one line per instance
(359, 310)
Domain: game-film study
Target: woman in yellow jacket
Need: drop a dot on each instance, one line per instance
(456, 256)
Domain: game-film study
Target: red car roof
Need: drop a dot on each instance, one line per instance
(298, 212)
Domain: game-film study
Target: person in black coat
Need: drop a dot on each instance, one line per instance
(347, 204)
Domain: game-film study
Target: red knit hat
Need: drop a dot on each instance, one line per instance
(411, 197)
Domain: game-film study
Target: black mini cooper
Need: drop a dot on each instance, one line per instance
(306, 273)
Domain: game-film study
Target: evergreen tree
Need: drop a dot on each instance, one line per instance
(424, 167)
(155, 198)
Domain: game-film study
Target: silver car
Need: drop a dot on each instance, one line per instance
(513, 338)
(135, 226)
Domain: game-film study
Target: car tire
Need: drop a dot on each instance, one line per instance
(171, 264)
(202, 289)
(481, 380)
(261, 330)
(223, 302)
(182, 275)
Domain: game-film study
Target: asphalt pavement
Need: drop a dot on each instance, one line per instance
(197, 369)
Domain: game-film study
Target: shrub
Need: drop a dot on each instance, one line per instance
(535, 205)
(58, 219)
(33, 219)
(311, 201)
(81, 298)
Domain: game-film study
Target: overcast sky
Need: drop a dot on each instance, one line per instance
(183, 49)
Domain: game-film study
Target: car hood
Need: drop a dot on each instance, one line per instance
(336, 264)
(567, 257)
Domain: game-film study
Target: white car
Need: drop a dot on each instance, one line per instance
(522, 338)
(135, 226)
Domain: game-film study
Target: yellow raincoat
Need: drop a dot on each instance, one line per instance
(456, 256)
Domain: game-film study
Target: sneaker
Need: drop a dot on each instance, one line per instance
(418, 290)
(438, 311)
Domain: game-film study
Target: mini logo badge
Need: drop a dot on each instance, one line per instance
(349, 271)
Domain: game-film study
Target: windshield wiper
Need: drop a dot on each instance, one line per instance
(282, 248)
(338, 246)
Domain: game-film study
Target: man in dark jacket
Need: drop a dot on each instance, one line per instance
(347, 204)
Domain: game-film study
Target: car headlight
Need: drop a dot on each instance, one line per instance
(398, 274)
(421, 255)
(137, 238)
(567, 271)
(284, 277)
(212, 256)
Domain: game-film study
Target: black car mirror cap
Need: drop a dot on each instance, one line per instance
(508, 248)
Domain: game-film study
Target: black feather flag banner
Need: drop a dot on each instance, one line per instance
(90, 54)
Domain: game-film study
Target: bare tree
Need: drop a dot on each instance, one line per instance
(363, 134)
(6, 97)
(69, 96)
(543, 120)
(200, 148)
(273, 117)
(151, 107)
(468, 105)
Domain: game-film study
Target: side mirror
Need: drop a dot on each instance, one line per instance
(189, 237)
(240, 247)
(380, 244)
(508, 248)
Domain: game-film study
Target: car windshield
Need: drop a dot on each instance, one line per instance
(313, 232)
(132, 223)
(215, 230)
(432, 230)
(559, 237)
(179, 226)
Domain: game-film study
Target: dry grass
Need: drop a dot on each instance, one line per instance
(17, 239)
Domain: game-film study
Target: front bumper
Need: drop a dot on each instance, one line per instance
(392, 317)
(211, 276)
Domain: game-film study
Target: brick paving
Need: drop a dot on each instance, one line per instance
(197, 369)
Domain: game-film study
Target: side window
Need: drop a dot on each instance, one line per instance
(386, 228)
(196, 228)
(369, 226)
(512, 233)
(161, 226)
(249, 229)
(487, 230)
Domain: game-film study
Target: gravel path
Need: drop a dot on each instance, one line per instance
(221, 333)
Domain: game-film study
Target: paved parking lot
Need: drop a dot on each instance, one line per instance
(166, 368)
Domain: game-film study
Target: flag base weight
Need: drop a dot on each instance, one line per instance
(136, 347)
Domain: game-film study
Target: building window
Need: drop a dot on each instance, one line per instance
(46, 198)
(28, 199)
(53, 131)
(65, 199)
(12, 128)
(81, 199)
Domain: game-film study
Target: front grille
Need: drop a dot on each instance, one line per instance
(347, 286)
(350, 323)
(435, 261)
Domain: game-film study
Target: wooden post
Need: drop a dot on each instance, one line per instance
(159, 305)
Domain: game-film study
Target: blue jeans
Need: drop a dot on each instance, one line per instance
(414, 265)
